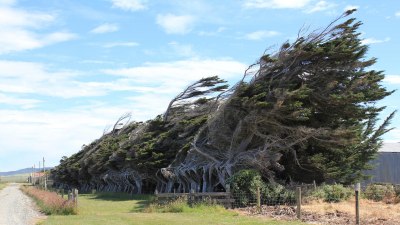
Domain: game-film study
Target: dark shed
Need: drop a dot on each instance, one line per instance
(387, 165)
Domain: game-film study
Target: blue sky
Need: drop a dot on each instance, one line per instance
(70, 68)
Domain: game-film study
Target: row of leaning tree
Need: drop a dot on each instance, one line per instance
(302, 113)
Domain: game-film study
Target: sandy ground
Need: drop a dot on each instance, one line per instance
(17, 208)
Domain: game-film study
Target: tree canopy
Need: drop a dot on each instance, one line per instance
(305, 112)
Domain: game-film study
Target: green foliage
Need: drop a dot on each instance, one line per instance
(331, 193)
(244, 187)
(245, 181)
(379, 192)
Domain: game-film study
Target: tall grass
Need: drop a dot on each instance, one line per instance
(181, 205)
(50, 202)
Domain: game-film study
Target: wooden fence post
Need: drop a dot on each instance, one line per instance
(228, 196)
(357, 192)
(258, 200)
(69, 195)
(75, 194)
(298, 200)
(191, 197)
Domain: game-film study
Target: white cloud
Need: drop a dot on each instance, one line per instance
(129, 5)
(120, 44)
(24, 103)
(167, 78)
(177, 74)
(276, 4)
(182, 49)
(162, 81)
(19, 30)
(392, 79)
(35, 78)
(10, 17)
(7, 2)
(350, 7)
(58, 37)
(212, 33)
(105, 28)
(51, 134)
(392, 136)
(368, 41)
(320, 6)
(397, 14)
(261, 34)
(174, 24)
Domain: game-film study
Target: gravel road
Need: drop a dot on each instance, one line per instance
(17, 208)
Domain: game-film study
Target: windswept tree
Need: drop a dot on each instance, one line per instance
(305, 112)
(196, 93)
(308, 113)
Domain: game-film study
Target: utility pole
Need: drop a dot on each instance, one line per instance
(45, 177)
(34, 174)
(33, 171)
(39, 174)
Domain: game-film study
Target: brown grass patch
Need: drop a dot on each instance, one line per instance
(368, 209)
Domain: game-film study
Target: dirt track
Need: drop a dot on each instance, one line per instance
(17, 208)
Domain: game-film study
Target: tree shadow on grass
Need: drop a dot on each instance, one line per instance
(140, 206)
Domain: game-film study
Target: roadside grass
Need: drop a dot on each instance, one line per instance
(49, 202)
(3, 185)
(120, 209)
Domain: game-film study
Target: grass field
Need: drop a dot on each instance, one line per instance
(2, 185)
(20, 178)
(120, 209)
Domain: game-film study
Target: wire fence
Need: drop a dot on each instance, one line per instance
(252, 199)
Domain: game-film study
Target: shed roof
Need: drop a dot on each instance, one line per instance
(390, 147)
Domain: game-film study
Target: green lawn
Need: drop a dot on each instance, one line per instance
(120, 209)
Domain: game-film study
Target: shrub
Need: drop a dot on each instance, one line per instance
(50, 202)
(397, 189)
(380, 192)
(276, 193)
(244, 187)
(332, 193)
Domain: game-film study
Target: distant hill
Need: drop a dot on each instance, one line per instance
(22, 171)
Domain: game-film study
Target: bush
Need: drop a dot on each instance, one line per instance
(244, 187)
(380, 192)
(50, 202)
(332, 193)
(276, 193)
